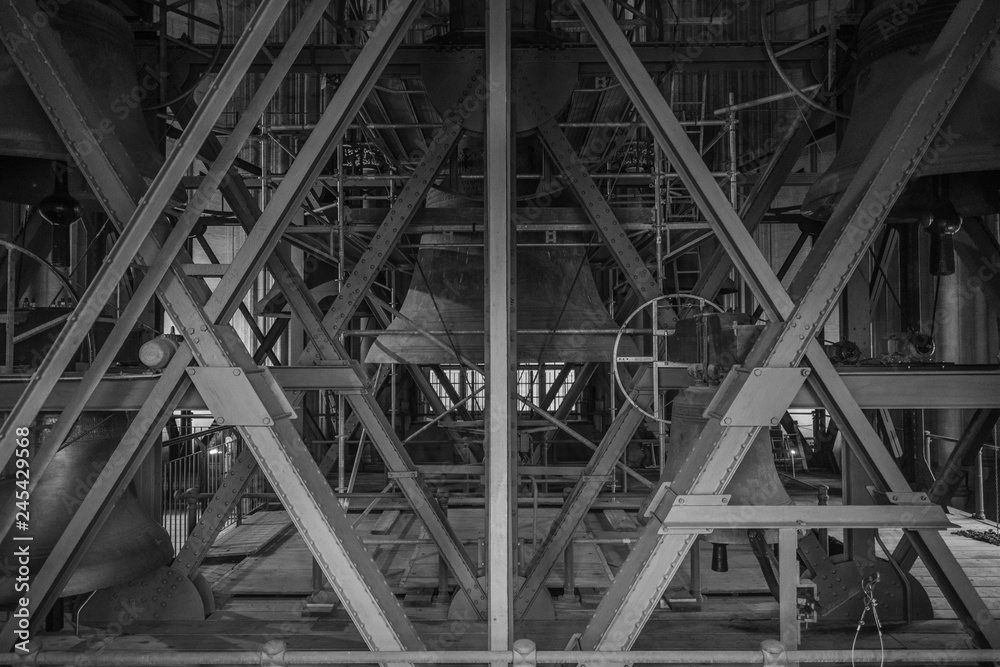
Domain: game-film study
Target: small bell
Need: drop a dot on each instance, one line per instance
(720, 558)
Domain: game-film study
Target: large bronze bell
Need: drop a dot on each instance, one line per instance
(99, 42)
(893, 41)
(127, 545)
(755, 482)
(555, 291)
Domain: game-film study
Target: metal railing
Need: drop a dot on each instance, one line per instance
(191, 479)
(524, 654)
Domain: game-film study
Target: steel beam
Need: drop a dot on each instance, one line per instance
(655, 57)
(276, 445)
(796, 138)
(872, 388)
(451, 391)
(593, 204)
(652, 563)
(501, 338)
(553, 389)
(978, 432)
(228, 494)
(34, 58)
(584, 493)
(365, 409)
(437, 407)
(325, 349)
(391, 231)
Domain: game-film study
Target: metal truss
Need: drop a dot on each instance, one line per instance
(653, 562)
(135, 235)
(242, 394)
(264, 415)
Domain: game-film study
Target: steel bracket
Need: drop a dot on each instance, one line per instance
(402, 474)
(899, 497)
(756, 396)
(664, 496)
(219, 385)
(602, 479)
(707, 500)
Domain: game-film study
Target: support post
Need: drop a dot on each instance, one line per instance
(788, 572)
(501, 363)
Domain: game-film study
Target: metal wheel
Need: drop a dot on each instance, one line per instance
(675, 303)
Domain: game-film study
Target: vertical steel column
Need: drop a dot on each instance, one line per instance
(501, 330)
(788, 571)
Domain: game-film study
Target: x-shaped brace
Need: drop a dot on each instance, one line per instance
(264, 417)
(653, 562)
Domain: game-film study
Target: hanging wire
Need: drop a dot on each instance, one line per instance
(895, 296)
(871, 604)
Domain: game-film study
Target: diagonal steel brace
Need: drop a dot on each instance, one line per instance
(655, 558)
(276, 444)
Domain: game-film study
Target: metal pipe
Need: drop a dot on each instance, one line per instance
(308, 127)
(377, 333)
(980, 490)
(131, 658)
(636, 177)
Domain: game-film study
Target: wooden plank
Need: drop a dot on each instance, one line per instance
(385, 522)
(256, 532)
(620, 521)
(418, 597)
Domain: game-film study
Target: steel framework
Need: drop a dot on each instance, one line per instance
(242, 393)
